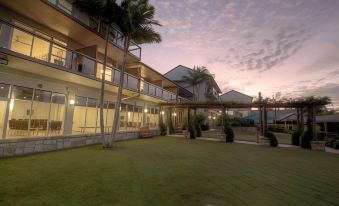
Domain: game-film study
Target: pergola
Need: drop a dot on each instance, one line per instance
(300, 105)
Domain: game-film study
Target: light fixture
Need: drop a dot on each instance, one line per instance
(162, 112)
(174, 114)
(72, 102)
(146, 110)
(129, 114)
(214, 118)
(2, 88)
(209, 117)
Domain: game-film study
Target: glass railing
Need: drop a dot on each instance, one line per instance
(99, 27)
(29, 44)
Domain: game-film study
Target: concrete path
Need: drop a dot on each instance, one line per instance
(327, 149)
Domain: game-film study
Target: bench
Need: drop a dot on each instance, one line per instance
(144, 132)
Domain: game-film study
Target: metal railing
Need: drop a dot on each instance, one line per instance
(40, 48)
(116, 36)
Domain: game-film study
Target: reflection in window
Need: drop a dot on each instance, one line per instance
(40, 112)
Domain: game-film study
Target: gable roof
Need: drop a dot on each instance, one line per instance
(187, 68)
(236, 92)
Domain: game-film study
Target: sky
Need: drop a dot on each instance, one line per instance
(269, 46)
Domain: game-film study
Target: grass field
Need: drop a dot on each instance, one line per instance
(170, 171)
(283, 138)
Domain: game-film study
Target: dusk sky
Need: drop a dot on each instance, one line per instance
(287, 46)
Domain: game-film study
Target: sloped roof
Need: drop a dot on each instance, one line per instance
(184, 67)
(236, 92)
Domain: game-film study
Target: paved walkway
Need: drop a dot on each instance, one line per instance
(327, 149)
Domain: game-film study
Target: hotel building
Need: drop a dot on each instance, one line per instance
(51, 58)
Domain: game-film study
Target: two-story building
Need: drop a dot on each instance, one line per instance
(51, 61)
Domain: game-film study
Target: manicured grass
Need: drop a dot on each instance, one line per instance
(172, 171)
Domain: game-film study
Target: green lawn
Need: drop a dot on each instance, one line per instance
(172, 171)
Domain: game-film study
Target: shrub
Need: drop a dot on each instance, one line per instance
(163, 129)
(273, 139)
(191, 129)
(276, 128)
(205, 127)
(235, 124)
(197, 127)
(295, 138)
(306, 139)
(229, 134)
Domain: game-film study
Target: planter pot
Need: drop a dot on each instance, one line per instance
(185, 133)
(318, 145)
(263, 140)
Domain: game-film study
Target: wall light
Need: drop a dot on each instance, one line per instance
(11, 105)
(146, 110)
(174, 114)
(72, 102)
(162, 112)
(209, 117)
(214, 118)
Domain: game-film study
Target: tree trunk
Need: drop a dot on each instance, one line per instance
(119, 95)
(102, 92)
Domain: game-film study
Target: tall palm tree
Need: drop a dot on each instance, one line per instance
(105, 12)
(135, 18)
(195, 77)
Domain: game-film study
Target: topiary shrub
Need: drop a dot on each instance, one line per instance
(306, 139)
(273, 139)
(163, 129)
(197, 127)
(191, 129)
(229, 134)
(295, 138)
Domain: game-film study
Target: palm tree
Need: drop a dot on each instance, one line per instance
(135, 18)
(104, 11)
(195, 77)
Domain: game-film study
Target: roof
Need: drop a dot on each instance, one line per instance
(328, 118)
(214, 82)
(236, 92)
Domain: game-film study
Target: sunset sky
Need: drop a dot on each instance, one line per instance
(287, 46)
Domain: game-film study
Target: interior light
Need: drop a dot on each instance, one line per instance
(102, 71)
(129, 114)
(11, 104)
(145, 110)
(72, 102)
(2, 88)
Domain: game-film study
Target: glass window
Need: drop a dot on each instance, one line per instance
(40, 49)
(3, 107)
(57, 114)
(20, 111)
(91, 116)
(60, 56)
(40, 112)
(79, 117)
(100, 70)
(21, 42)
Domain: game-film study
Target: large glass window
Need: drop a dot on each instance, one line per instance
(40, 112)
(123, 118)
(21, 42)
(40, 49)
(79, 117)
(109, 116)
(20, 110)
(4, 89)
(86, 114)
(57, 114)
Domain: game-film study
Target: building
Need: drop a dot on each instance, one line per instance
(237, 97)
(51, 64)
(206, 91)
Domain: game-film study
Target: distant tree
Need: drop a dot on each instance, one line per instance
(195, 77)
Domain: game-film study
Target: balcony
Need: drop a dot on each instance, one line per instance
(17, 41)
(100, 28)
(211, 93)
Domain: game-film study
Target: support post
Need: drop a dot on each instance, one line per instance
(261, 121)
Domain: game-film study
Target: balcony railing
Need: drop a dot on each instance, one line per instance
(40, 48)
(115, 35)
